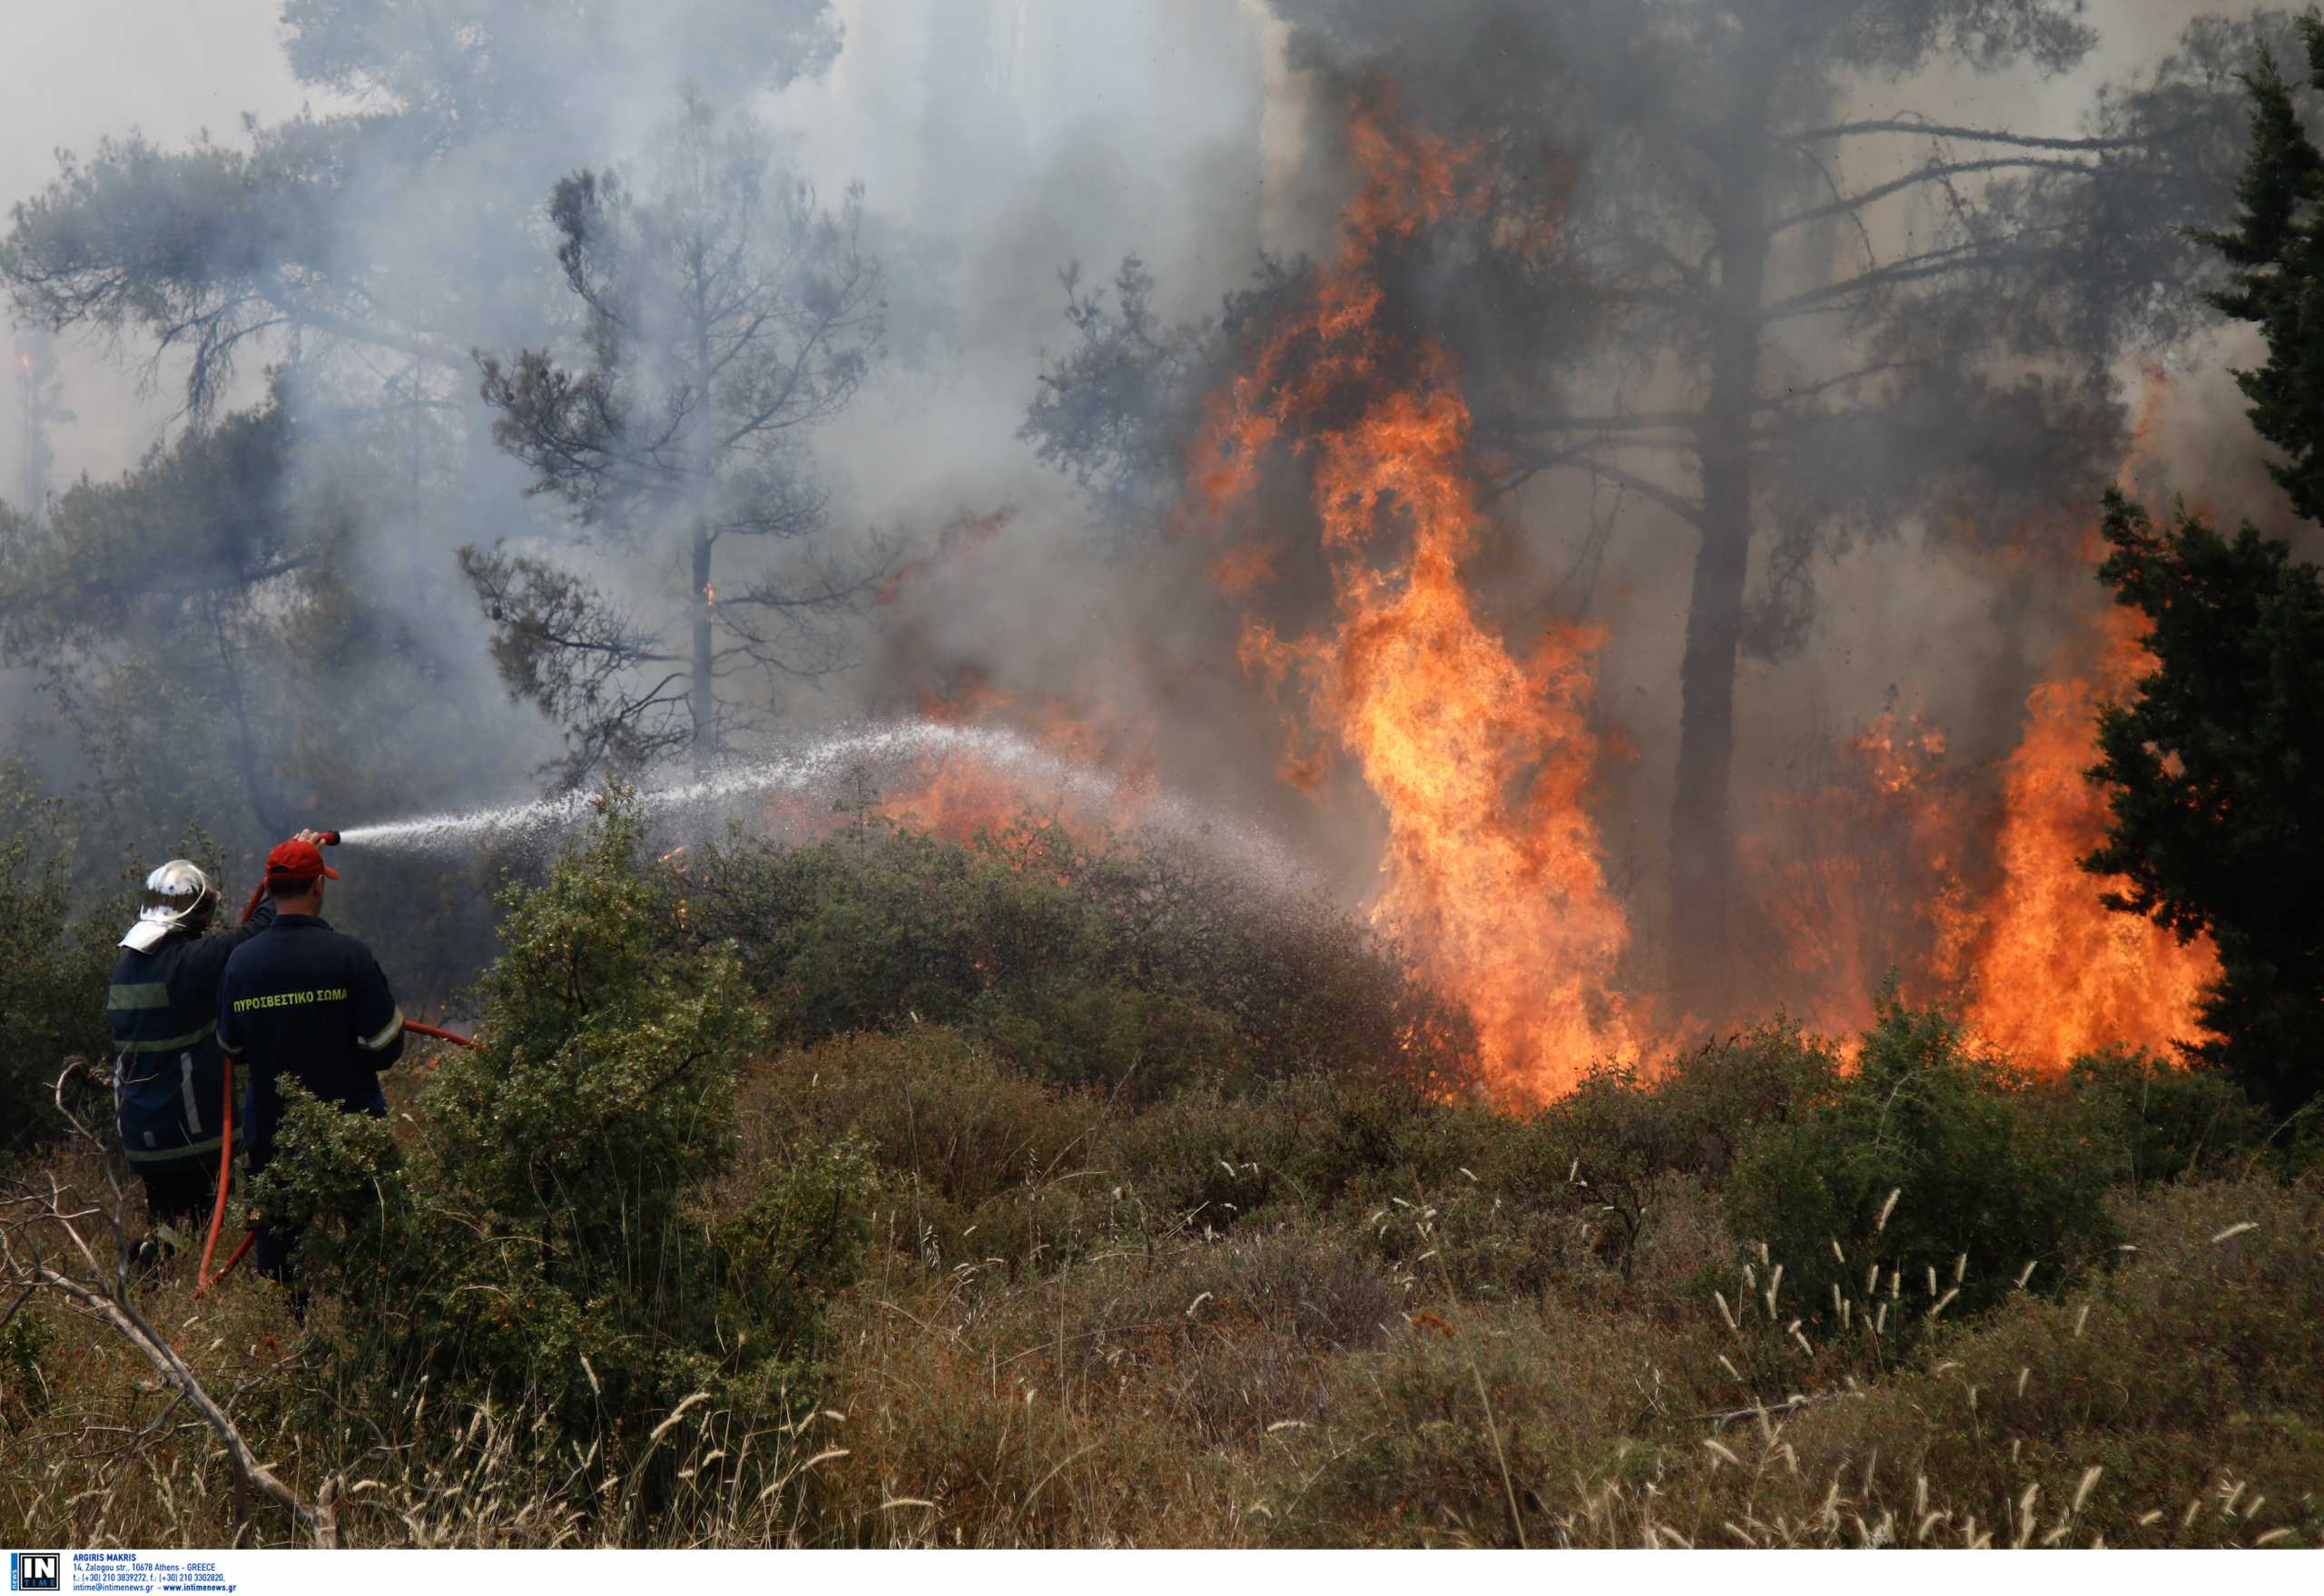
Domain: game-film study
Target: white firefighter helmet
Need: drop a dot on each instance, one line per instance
(176, 894)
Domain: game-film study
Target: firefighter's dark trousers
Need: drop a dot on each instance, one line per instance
(180, 1194)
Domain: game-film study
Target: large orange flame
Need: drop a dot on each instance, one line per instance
(1480, 753)
(2047, 971)
(1478, 758)
(2057, 972)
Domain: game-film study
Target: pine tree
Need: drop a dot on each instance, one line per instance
(721, 314)
(2212, 775)
(2212, 770)
(2276, 251)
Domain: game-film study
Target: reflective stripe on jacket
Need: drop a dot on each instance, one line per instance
(308, 1002)
(167, 1076)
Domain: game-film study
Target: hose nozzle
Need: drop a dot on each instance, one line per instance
(329, 839)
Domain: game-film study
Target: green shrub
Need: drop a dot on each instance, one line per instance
(1319, 1140)
(1980, 1192)
(1141, 965)
(547, 1244)
(1135, 1045)
(1464, 1428)
(929, 1104)
(605, 1085)
(976, 1161)
(26, 1390)
(2169, 1403)
(1602, 1157)
(2150, 1119)
(1716, 1095)
(52, 974)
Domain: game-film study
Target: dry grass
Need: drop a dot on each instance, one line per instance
(1055, 1348)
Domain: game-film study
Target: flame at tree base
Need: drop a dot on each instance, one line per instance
(1479, 760)
(2058, 973)
(1479, 751)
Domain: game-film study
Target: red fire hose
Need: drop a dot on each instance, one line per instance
(203, 1278)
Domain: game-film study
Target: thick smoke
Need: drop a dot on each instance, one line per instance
(997, 139)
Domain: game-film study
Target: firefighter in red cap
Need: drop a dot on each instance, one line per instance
(302, 1000)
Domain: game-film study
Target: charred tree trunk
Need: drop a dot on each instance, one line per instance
(703, 702)
(1702, 861)
(703, 705)
(258, 784)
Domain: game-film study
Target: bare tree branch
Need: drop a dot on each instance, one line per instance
(1852, 205)
(102, 1296)
(1984, 135)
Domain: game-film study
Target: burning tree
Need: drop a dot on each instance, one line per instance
(722, 313)
(1799, 314)
(1479, 756)
(2057, 975)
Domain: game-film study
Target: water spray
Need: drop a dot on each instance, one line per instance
(895, 748)
(822, 763)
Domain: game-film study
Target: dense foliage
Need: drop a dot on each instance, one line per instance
(551, 1239)
(1922, 1166)
(727, 1238)
(2276, 251)
(1138, 969)
(2211, 773)
(52, 969)
(2211, 769)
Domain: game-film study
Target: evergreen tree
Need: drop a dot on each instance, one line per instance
(2212, 775)
(2212, 769)
(2277, 250)
(721, 315)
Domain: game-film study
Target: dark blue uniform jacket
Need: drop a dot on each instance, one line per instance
(304, 1001)
(169, 1088)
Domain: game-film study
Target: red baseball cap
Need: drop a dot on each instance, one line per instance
(297, 861)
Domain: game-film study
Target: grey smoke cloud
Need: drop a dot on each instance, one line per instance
(80, 72)
(996, 139)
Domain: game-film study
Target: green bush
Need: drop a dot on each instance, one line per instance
(1462, 1429)
(1980, 1191)
(52, 972)
(2169, 1403)
(930, 1106)
(2149, 1119)
(1135, 967)
(976, 1160)
(25, 1388)
(548, 1244)
(1139, 1046)
(1320, 1141)
(1716, 1095)
(1603, 1158)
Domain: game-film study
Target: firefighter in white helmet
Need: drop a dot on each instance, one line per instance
(169, 1078)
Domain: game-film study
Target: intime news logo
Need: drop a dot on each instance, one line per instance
(35, 1571)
